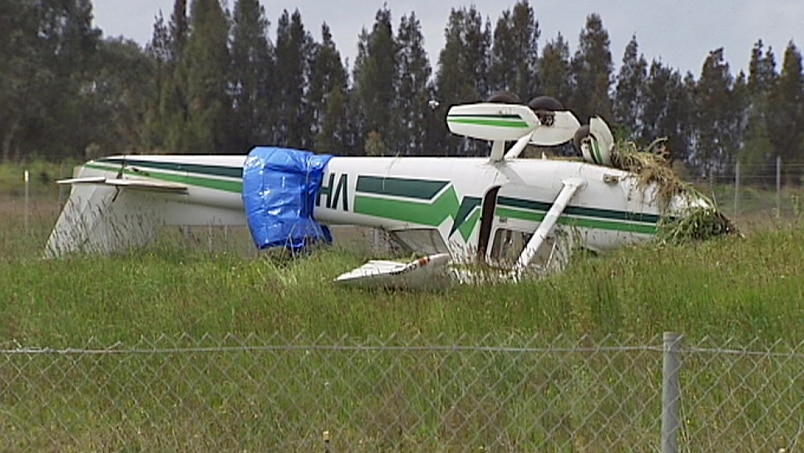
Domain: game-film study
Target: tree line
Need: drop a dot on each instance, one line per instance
(213, 80)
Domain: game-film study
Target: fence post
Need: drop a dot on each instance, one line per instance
(737, 188)
(671, 391)
(778, 186)
(27, 177)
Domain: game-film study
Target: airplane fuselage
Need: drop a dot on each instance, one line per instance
(466, 206)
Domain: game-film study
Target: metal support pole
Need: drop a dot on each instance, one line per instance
(737, 188)
(778, 186)
(671, 392)
(209, 237)
(27, 178)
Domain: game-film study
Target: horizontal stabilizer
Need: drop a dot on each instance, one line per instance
(140, 184)
(512, 122)
(416, 274)
(561, 130)
(489, 121)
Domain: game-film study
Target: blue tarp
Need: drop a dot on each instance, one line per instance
(280, 186)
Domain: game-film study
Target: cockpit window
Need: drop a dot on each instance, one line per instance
(427, 241)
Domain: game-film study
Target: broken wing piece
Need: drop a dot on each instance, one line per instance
(140, 184)
(419, 273)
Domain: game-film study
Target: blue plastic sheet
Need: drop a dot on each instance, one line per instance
(280, 186)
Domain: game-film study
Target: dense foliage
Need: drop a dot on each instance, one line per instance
(213, 80)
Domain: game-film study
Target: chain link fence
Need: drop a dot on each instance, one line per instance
(337, 395)
(757, 193)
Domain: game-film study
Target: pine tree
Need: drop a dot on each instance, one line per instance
(502, 76)
(376, 80)
(167, 115)
(591, 72)
(761, 69)
(655, 102)
(462, 75)
(666, 108)
(68, 43)
(158, 48)
(251, 74)
(123, 83)
(758, 155)
(328, 97)
(515, 54)
(786, 119)
(717, 119)
(206, 65)
(413, 96)
(294, 49)
(554, 70)
(179, 29)
(477, 51)
(628, 99)
(21, 75)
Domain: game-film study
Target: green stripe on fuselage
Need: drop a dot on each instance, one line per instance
(209, 170)
(580, 211)
(191, 180)
(580, 222)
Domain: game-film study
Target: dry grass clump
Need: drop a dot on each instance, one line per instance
(697, 221)
(652, 166)
(696, 224)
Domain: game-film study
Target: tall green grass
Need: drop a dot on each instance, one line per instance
(735, 291)
(726, 288)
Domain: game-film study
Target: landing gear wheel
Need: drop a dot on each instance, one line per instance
(504, 97)
(543, 107)
(545, 103)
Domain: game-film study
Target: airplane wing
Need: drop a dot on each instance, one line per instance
(393, 274)
(138, 184)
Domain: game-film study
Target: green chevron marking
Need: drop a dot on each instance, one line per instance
(421, 207)
(468, 205)
(468, 225)
(420, 189)
(422, 213)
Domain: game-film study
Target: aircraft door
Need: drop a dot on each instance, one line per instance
(486, 220)
(517, 212)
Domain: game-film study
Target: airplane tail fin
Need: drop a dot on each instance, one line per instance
(99, 218)
(112, 214)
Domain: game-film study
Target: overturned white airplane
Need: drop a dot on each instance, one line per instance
(501, 210)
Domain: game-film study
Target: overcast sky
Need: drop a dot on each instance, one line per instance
(679, 32)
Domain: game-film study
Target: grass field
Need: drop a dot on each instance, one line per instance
(732, 287)
(747, 290)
